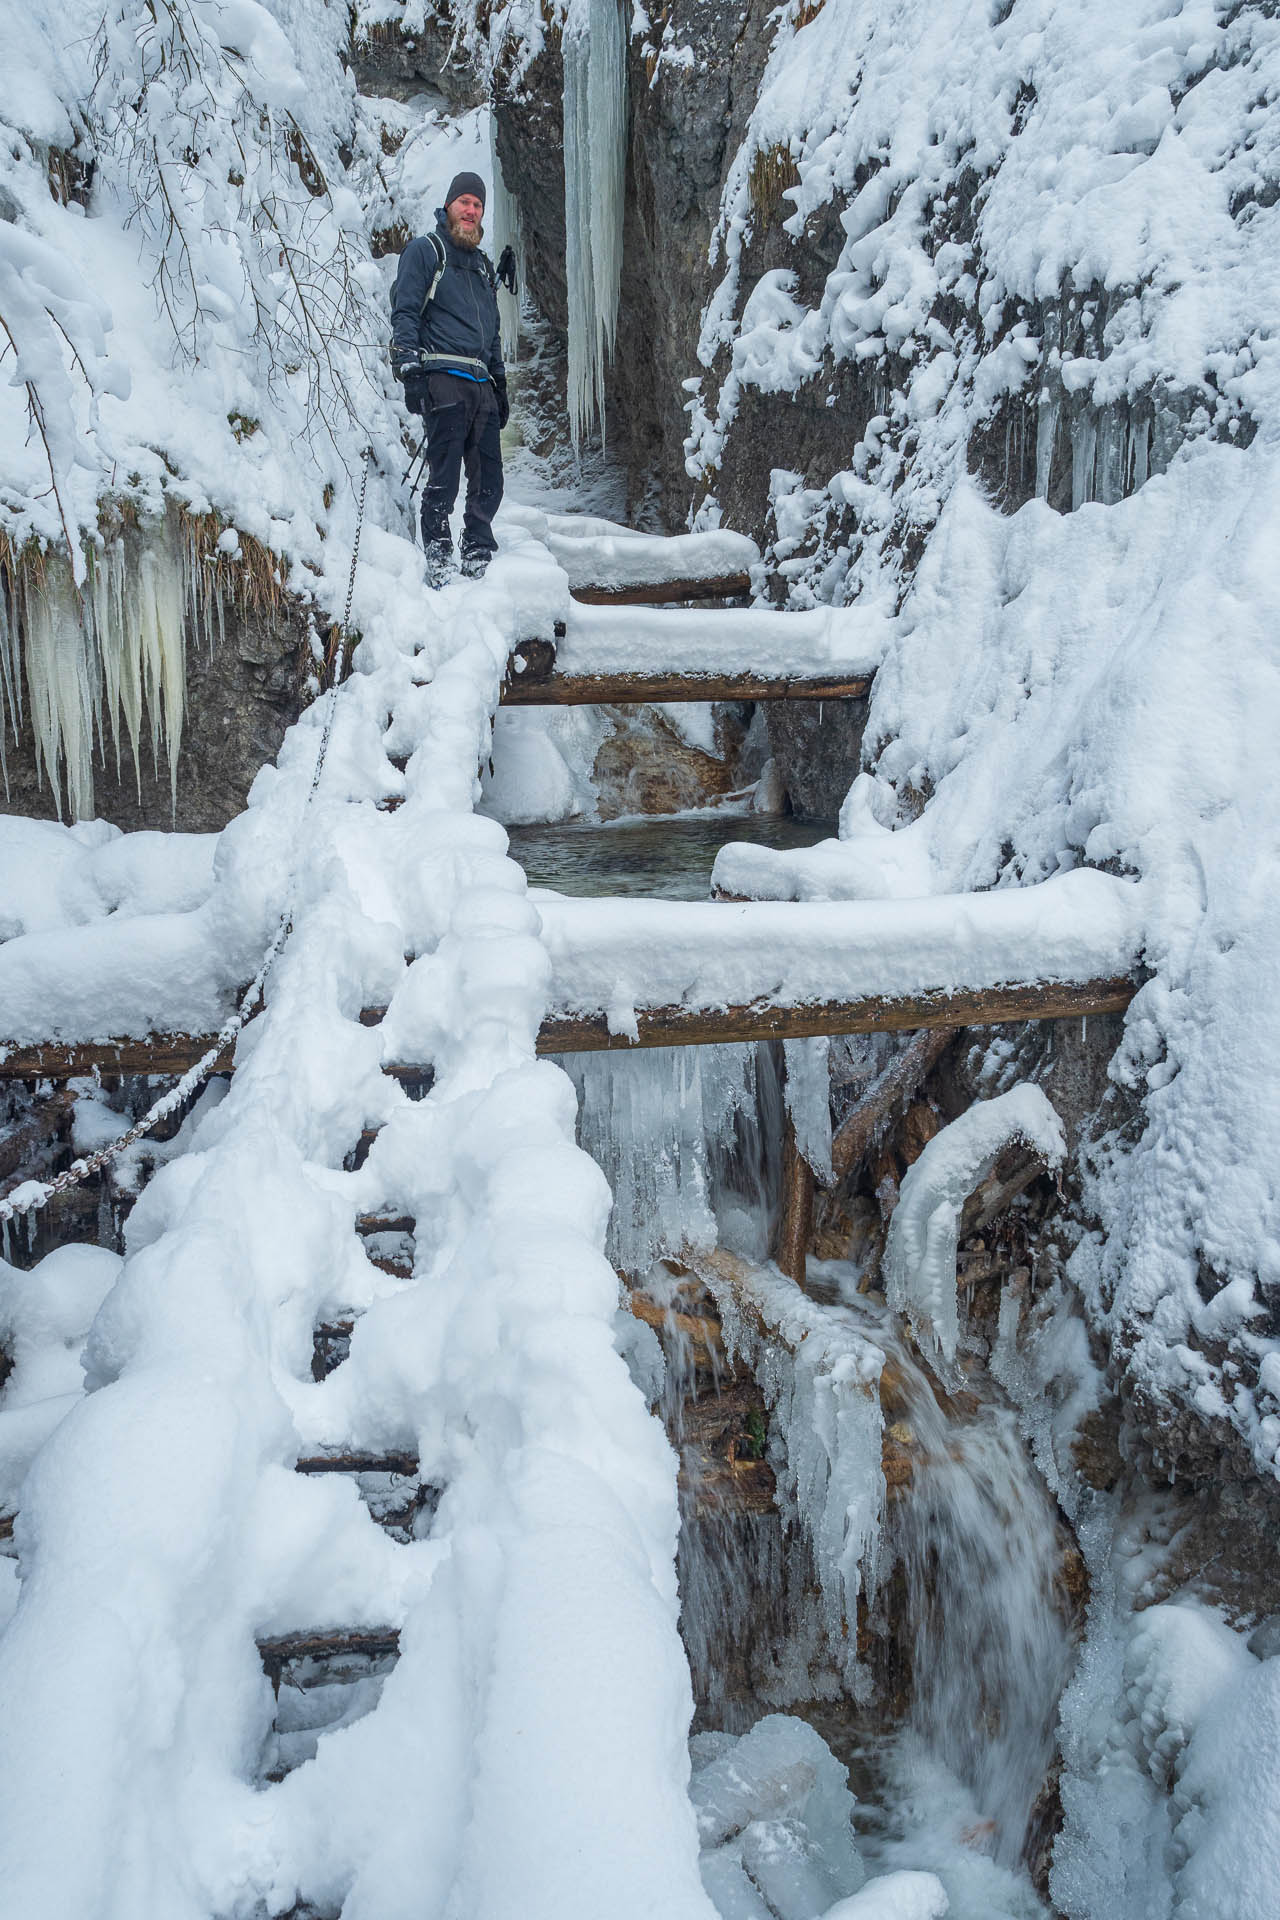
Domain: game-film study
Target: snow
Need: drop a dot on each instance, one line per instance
(599, 555)
(848, 641)
(920, 1253)
(621, 956)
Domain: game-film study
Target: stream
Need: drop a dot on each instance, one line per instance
(937, 1754)
(659, 857)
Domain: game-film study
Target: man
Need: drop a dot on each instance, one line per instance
(445, 347)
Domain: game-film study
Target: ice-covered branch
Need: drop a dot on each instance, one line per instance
(920, 1257)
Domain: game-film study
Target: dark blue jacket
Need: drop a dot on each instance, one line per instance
(461, 322)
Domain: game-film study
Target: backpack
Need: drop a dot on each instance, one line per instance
(442, 260)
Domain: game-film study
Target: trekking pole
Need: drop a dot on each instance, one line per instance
(418, 462)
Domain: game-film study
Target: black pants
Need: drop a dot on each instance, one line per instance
(462, 430)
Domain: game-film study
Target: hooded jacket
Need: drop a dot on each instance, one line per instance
(461, 322)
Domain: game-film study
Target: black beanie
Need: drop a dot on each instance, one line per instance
(465, 183)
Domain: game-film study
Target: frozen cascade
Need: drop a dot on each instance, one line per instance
(678, 1133)
(595, 157)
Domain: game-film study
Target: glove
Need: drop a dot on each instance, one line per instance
(414, 377)
(507, 269)
(504, 405)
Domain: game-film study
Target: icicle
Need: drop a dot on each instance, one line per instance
(1046, 435)
(656, 1122)
(64, 686)
(1084, 440)
(808, 1093)
(508, 231)
(1139, 450)
(595, 128)
(1110, 456)
(95, 660)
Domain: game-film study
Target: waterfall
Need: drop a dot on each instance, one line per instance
(974, 1537)
(891, 1564)
(595, 157)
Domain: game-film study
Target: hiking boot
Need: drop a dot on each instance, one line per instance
(440, 563)
(474, 562)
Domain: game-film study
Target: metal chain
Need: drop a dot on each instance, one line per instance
(28, 1196)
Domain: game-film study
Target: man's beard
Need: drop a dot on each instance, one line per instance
(468, 237)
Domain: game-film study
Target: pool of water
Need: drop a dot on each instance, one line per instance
(667, 857)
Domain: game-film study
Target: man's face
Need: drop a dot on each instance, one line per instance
(465, 215)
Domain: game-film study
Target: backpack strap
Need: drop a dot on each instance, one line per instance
(437, 247)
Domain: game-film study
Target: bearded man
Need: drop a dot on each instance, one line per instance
(445, 348)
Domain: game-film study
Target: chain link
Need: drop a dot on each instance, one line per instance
(28, 1196)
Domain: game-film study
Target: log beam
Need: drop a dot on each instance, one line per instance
(645, 689)
(765, 1020)
(173, 1054)
(661, 593)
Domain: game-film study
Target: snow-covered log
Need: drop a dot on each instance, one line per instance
(920, 1255)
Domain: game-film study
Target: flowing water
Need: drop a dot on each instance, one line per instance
(659, 858)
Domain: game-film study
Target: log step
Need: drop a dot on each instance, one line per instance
(343, 1654)
(403, 1464)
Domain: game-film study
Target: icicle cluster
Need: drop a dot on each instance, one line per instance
(595, 156)
(658, 1122)
(96, 661)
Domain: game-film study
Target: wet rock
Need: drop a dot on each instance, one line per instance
(646, 767)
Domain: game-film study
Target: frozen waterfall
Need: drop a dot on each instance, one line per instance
(595, 157)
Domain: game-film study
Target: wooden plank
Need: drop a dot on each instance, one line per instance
(981, 1007)
(661, 593)
(642, 689)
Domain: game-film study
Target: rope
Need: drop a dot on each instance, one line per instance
(28, 1196)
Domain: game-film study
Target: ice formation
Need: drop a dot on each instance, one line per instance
(595, 158)
(657, 1122)
(103, 659)
(920, 1255)
(507, 232)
